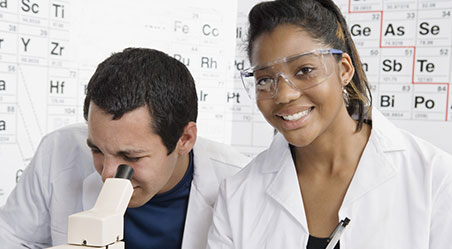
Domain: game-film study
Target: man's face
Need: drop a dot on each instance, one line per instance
(130, 140)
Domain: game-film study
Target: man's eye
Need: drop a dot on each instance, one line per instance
(95, 151)
(131, 159)
(263, 84)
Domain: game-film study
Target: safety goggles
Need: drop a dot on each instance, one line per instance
(300, 71)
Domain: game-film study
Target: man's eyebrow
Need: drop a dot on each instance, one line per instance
(125, 152)
(130, 152)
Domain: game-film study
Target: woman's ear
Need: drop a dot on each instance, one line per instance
(347, 70)
(188, 139)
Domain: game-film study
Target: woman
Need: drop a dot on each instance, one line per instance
(335, 158)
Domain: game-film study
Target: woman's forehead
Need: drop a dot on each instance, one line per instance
(285, 40)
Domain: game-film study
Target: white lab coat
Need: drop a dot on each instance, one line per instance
(61, 180)
(400, 197)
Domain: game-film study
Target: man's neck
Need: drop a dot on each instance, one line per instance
(180, 169)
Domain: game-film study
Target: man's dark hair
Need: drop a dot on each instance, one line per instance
(139, 77)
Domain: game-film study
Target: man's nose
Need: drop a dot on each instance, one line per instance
(110, 165)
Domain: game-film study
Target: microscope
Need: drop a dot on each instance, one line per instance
(102, 227)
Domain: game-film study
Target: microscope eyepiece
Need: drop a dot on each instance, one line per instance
(124, 171)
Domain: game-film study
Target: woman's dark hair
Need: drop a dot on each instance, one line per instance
(323, 20)
(146, 77)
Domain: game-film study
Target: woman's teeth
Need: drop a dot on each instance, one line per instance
(296, 116)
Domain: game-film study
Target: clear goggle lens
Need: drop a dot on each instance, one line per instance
(300, 71)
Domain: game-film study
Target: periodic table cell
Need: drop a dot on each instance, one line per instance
(33, 46)
(59, 49)
(397, 98)
(432, 65)
(398, 31)
(7, 122)
(183, 53)
(365, 29)
(34, 9)
(61, 87)
(8, 43)
(370, 60)
(8, 84)
(430, 99)
(60, 11)
(396, 62)
(434, 31)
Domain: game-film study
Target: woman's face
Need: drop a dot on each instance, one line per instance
(301, 116)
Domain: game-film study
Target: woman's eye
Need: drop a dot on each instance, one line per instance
(264, 83)
(304, 71)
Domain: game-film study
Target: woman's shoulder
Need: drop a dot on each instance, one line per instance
(413, 156)
(261, 169)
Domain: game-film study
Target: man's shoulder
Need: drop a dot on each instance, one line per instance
(79, 131)
(62, 150)
(214, 162)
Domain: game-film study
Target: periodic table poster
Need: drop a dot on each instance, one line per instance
(50, 48)
(405, 47)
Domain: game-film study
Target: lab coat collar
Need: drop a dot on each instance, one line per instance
(374, 168)
(276, 154)
(212, 163)
(386, 133)
(284, 187)
(204, 177)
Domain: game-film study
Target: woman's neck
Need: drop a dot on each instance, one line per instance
(337, 149)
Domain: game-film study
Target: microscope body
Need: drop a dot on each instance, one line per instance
(103, 225)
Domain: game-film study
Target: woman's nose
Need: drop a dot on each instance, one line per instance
(286, 91)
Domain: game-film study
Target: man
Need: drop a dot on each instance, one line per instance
(141, 108)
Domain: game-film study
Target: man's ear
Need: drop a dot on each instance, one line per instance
(188, 139)
(347, 70)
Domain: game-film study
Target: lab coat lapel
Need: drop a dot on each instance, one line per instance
(203, 193)
(374, 168)
(284, 187)
(373, 171)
